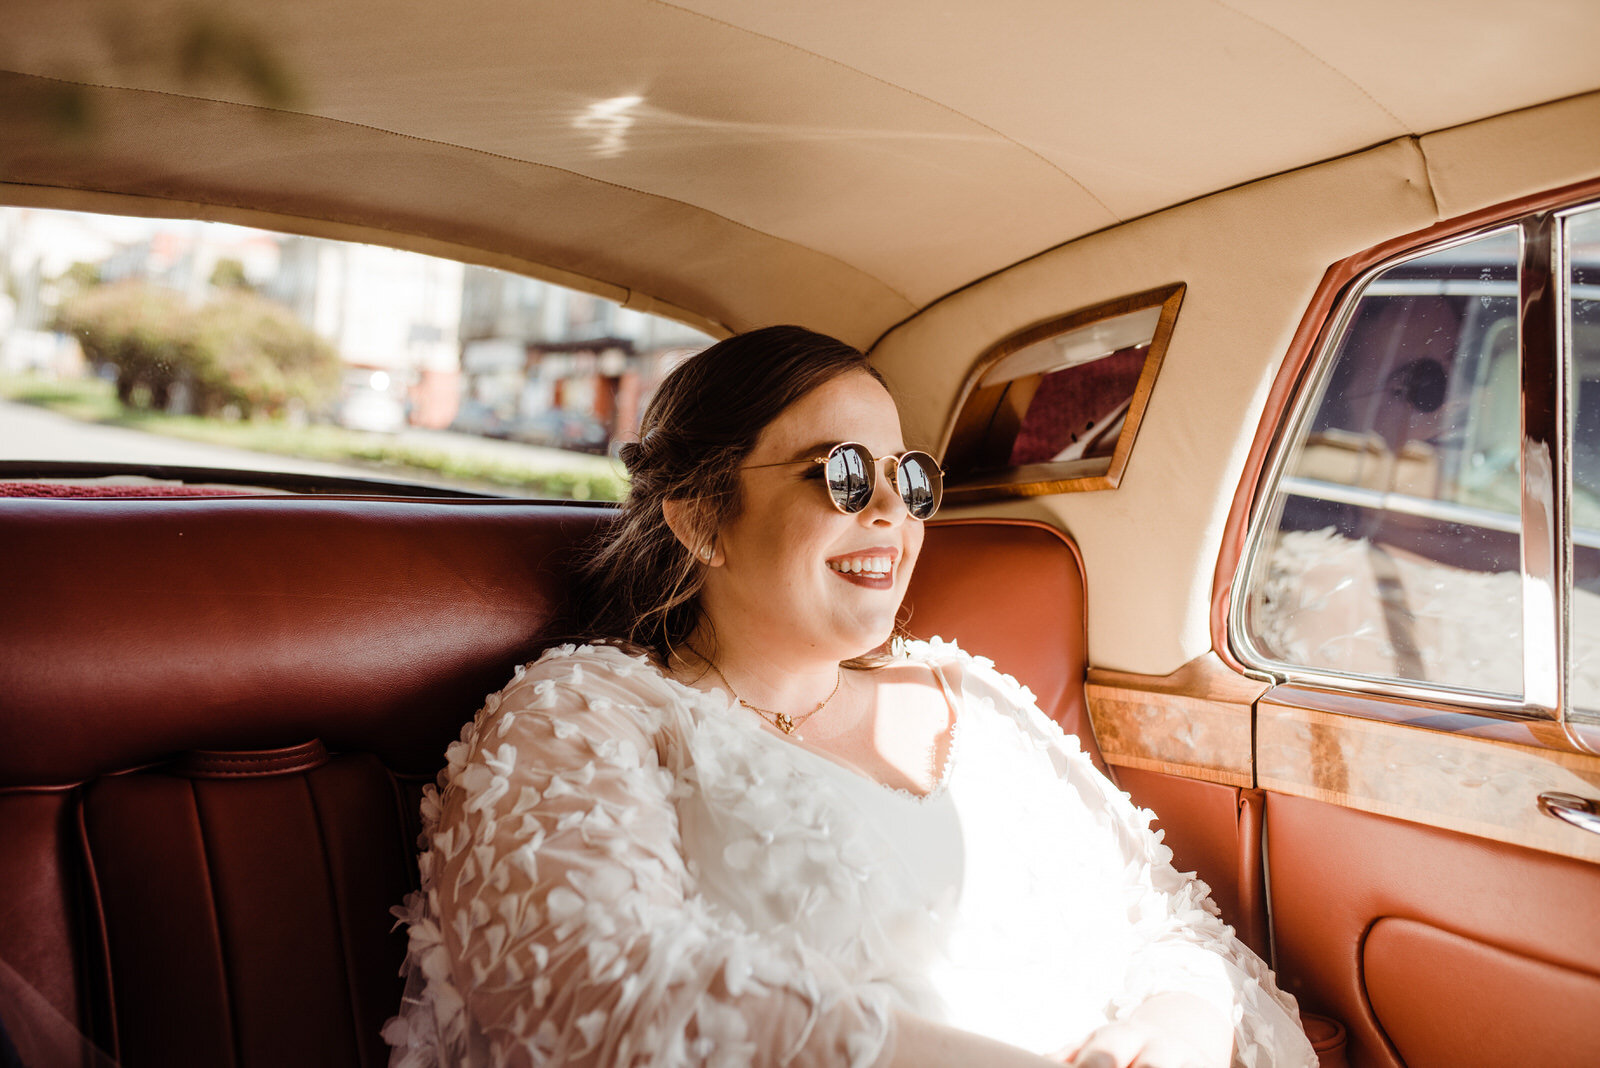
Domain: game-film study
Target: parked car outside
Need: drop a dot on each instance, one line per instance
(379, 411)
(560, 429)
(484, 420)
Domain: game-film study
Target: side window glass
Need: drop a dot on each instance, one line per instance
(1392, 543)
(1583, 341)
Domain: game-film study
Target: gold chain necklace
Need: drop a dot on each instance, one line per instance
(785, 723)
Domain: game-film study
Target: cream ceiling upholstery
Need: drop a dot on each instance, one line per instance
(842, 164)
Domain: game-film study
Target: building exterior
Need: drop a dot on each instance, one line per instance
(556, 367)
(425, 342)
(393, 316)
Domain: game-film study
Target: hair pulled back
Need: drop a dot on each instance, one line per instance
(641, 585)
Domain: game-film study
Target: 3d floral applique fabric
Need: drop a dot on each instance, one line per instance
(624, 870)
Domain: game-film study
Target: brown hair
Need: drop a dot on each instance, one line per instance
(641, 584)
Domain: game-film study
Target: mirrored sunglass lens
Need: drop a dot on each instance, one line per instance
(919, 481)
(850, 477)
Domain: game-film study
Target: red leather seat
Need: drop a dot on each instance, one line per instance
(216, 716)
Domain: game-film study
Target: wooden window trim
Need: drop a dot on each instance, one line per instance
(1071, 476)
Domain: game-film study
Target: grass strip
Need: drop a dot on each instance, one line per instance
(569, 476)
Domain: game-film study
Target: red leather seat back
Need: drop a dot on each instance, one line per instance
(136, 629)
(1013, 591)
(173, 916)
(244, 902)
(233, 909)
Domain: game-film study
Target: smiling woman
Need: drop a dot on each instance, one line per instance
(785, 568)
(745, 829)
(1255, 339)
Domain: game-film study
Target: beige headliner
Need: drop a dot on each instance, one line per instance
(841, 164)
(889, 171)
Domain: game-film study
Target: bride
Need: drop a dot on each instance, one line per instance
(743, 826)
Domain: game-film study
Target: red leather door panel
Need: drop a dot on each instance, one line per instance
(1433, 946)
(1213, 830)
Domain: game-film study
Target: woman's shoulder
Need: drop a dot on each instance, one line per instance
(572, 677)
(987, 690)
(960, 667)
(599, 661)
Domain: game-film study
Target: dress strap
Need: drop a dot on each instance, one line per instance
(949, 694)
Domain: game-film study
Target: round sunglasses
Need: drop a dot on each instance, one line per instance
(851, 472)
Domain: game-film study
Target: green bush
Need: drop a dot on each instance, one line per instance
(143, 331)
(239, 351)
(259, 358)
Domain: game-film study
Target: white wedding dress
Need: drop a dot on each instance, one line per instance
(624, 870)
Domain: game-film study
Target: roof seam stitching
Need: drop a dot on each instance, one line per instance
(1404, 128)
(911, 304)
(902, 89)
(1427, 176)
(531, 268)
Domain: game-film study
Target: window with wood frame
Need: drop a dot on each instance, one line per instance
(1055, 408)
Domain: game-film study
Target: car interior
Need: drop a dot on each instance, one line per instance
(221, 695)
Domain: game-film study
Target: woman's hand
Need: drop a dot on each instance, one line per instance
(1167, 1031)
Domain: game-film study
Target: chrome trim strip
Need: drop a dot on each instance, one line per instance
(1544, 466)
(1422, 507)
(1440, 287)
(1405, 503)
(1567, 295)
(1422, 287)
(1499, 706)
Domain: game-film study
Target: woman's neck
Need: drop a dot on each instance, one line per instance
(773, 679)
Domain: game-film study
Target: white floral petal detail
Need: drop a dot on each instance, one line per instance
(682, 851)
(525, 859)
(504, 760)
(527, 798)
(562, 904)
(590, 1026)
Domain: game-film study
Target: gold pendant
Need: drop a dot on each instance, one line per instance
(785, 724)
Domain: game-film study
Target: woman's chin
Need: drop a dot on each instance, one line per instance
(869, 639)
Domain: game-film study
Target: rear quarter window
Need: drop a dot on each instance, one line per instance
(132, 348)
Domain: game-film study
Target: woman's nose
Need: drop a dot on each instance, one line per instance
(886, 507)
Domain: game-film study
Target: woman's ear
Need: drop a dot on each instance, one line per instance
(683, 516)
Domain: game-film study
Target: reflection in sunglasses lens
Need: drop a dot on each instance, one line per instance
(850, 478)
(917, 480)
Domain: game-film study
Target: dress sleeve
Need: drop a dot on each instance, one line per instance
(558, 921)
(1181, 942)
(1185, 946)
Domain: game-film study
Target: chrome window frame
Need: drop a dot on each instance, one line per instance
(1544, 357)
(1562, 294)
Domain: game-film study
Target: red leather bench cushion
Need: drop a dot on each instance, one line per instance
(245, 916)
(179, 915)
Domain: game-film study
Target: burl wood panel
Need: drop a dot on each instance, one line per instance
(1423, 772)
(1194, 722)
